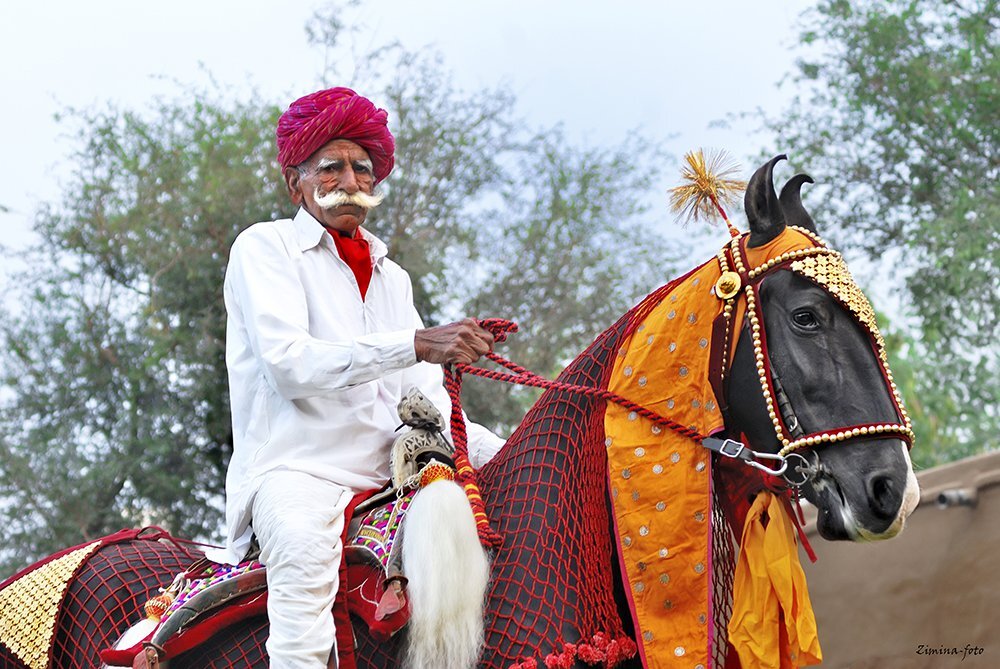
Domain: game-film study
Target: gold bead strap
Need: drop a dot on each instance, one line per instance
(810, 234)
(789, 256)
(727, 289)
(879, 429)
(29, 607)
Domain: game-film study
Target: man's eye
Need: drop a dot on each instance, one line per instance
(362, 169)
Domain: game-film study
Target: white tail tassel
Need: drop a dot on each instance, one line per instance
(448, 572)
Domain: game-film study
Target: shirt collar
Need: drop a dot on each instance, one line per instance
(309, 233)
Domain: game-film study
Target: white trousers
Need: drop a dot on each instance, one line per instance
(298, 520)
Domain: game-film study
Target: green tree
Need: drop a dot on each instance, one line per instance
(927, 404)
(899, 100)
(574, 255)
(116, 410)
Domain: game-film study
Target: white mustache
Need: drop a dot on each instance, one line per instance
(338, 198)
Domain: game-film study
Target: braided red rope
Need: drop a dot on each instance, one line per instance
(500, 328)
(465, 474)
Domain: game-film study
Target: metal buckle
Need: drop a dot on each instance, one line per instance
(805, 470)
(734, 449)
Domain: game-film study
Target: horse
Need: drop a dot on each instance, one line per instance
(815, 389)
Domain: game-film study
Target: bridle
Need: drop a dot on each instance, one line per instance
(739, 288)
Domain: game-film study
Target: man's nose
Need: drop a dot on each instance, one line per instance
(349, 181)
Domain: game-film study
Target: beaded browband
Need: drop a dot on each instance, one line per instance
(826, 268)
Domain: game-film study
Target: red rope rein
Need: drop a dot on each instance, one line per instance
(500, 328)
(465, 474)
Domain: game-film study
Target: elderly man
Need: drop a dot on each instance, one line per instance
(322, 341)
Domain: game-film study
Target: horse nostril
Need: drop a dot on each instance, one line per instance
(885, 496)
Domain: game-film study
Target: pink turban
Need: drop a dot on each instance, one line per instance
(335, 113)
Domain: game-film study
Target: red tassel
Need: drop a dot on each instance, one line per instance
(465, 475)
(799, 520)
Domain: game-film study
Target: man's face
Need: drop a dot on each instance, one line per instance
(340, 165)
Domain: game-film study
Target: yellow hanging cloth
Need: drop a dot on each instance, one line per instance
(772, 626)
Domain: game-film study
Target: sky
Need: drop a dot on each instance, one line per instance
(666, 68)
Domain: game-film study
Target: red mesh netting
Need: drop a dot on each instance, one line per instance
(105, 597)
(108, 595)
(725, 548)
(554, 578)
(240, 646)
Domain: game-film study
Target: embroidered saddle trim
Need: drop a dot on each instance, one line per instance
(373, 536)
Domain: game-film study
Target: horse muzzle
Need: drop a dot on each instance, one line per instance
(867, 505)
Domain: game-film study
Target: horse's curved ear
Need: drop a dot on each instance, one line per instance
(764, 214)
(791, 203)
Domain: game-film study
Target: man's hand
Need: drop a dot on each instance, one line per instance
(461, 342)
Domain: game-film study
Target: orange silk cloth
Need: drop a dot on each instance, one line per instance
(772, 626)
(661, 481)
(789, 240)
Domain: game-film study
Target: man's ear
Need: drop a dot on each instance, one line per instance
(293, 180)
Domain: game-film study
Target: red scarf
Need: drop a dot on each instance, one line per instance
(355, 252)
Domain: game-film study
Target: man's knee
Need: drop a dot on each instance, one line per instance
(292, 540)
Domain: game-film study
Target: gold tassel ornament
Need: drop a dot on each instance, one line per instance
(708, 186)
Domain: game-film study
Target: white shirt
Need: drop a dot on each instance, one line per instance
(315, 372)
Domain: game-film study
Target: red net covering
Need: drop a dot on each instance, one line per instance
(725, 547)
(108, 595)
(239, 646)
(105, 595)
(555, 577)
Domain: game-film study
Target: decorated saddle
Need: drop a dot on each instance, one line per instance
(207, 597)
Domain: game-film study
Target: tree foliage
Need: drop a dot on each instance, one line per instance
(114, 364)
(899, 100)
(573, 256)
(114, 409)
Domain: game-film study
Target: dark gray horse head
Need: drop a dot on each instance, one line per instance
(832, 377)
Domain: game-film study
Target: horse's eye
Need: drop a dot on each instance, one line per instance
(805, 319)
